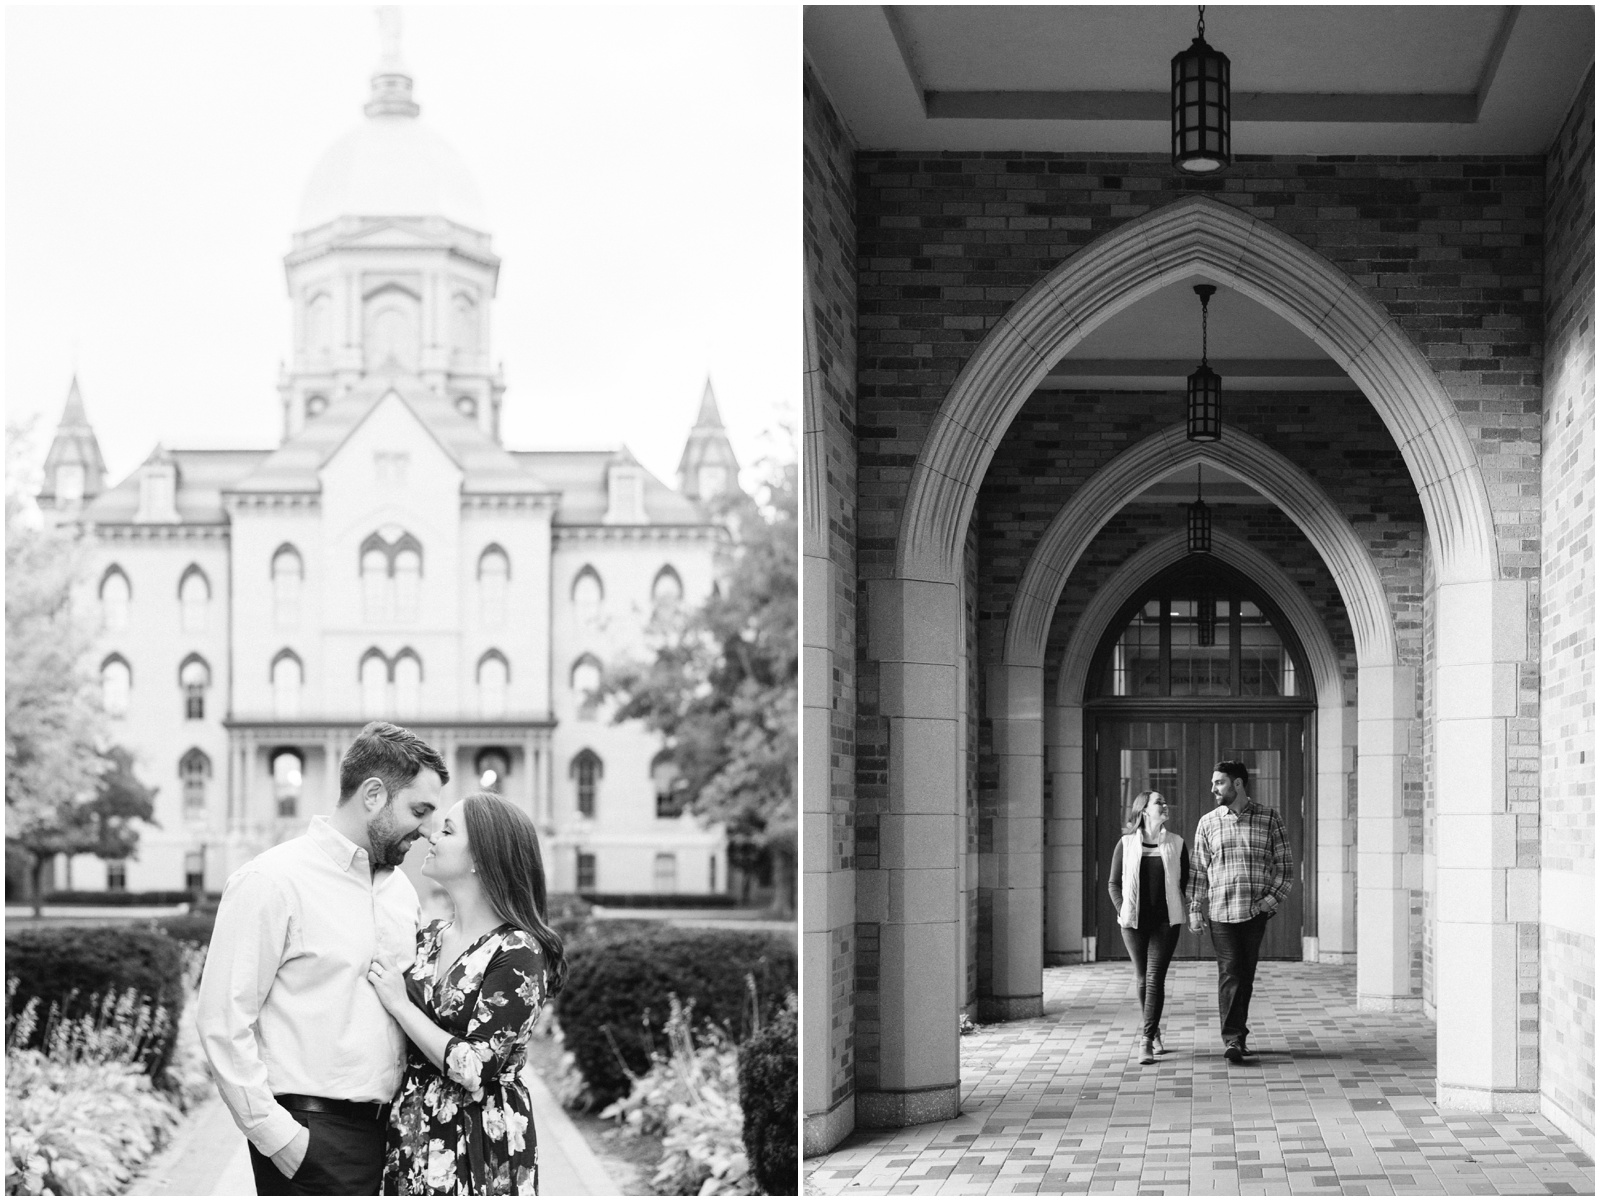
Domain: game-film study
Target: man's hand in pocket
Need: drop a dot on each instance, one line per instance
(289, 1158)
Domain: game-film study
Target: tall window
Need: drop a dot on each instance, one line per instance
(194, 677)
(116, 685)
(287, 780)
(194, 870)
(586, 675)
(667, 781)
(587, 771)
(407, 683)
(374, 684)
(375, 595)
(585, 872)
(287, 677)
(115, 593)
(494, 675)
(493, 765)
(666, 593)
(407, 585)
(666, 873)
(494, 574)
(588, 595)
(194, 769)
(288, 573)
(194, 598)
(391, 577)
(116, 875)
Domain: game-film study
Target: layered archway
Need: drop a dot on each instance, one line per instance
(1246, 254)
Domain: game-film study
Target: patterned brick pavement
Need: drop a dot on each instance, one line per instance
(1335, 1102)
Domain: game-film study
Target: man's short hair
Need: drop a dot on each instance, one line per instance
(393, 754)
(1232, 767)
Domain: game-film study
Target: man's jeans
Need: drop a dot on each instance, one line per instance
(1238, 946)
(1151, 951)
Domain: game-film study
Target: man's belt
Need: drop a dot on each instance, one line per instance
(366, 1111)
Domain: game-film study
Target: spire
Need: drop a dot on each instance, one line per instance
(73, 469)
(74, 414)
(391, 82)
(709, 417)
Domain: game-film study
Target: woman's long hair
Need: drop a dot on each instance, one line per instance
(505, 849)
(1134, 818)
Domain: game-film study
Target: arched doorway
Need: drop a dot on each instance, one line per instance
(1200, 666)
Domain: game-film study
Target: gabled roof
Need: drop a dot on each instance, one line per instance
(580, 477)
(296, 465)
(203, 475)
(74, 442)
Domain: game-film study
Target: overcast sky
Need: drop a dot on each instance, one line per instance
(641, 168)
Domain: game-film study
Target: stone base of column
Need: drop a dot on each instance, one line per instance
(1486, 1100)
(1568, 1125)
(892, 1110)
(1381, 1004)
(1010, 1009)
(1062, 958)
(1326, 956)
(825, 1131)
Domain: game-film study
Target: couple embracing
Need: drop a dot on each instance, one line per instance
(358, 1052)
(1241, 871)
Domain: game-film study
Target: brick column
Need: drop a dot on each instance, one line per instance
(1014, 877)
(1063, 863)
(914, 896)
(1482, 894)
(1387, 697)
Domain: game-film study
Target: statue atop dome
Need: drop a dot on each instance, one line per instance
(391, 83)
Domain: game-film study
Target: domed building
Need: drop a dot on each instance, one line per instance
(390, 558)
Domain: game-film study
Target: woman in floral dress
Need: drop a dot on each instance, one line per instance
(462, 1124)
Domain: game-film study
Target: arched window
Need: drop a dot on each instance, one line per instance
(588, 595)
(288, 778)
(586, 676)
(319, 326)
(1199, 630)
(494, 676)
(116, 685)
(494, 573)
(287, 677)
(374, 684)
(407, 683)
(407, 584)
(392, 326)
(115, 593)
(194, 677)
(375, 586)
(464, 311)
(194, 769)
(666, 593)
(493, 765)
(587, 770)
(667, 781)
(288, 573)
(194, 598)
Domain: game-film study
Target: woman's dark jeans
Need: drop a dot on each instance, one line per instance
(1151, 950)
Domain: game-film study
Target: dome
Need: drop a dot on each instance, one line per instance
(392, 165)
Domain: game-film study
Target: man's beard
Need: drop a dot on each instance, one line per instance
(389, 846)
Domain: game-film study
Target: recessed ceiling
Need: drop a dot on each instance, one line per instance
(1307, 79)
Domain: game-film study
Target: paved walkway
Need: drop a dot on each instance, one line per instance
(210, 1158)
(1336, 1102)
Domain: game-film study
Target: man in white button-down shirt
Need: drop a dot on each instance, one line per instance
(304, 1054)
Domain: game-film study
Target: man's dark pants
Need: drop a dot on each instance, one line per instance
(344, 1158)
(1238, 946)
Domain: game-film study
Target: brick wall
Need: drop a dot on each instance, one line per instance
(831, 473)
(1565, 953)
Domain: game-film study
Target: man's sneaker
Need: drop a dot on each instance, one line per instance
(1234, 1053)
(1146, 1053)
(1158, 1046)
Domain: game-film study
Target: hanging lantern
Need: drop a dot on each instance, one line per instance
(1205, 385)
(1199, 520)
(1202, 131)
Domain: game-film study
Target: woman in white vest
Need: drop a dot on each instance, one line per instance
(1149, 879)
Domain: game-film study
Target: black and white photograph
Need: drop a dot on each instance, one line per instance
(1198, 562)
(402, 491)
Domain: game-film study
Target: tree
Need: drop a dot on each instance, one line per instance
(54, 724)
(723, 687)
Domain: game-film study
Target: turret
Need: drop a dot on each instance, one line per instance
(708, 467)
(74, 472)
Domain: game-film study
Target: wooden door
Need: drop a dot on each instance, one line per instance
(1174, 756)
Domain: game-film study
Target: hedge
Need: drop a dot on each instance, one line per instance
(616, 998)
(75, 965)
(768, 1094)
(119, 900)
(661, 900)
(194, 927)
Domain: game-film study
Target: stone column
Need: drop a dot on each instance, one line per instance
(1388, 704)
(914, 896)
(1336, 735)
(1482, 893)
(1015, 879)
(1063, 864)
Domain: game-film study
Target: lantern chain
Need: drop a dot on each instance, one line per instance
(1202, 29)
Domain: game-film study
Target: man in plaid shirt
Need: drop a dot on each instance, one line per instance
(1241, 871)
